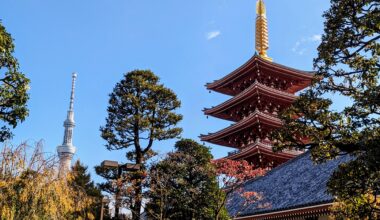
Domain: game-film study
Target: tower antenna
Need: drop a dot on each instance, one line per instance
(67, 150)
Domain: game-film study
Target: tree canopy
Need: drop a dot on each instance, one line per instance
(141, 110)
(13, 87)
(81, 182)
(347, 65)
(183, 185)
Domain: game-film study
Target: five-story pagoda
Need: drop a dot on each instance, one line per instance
(260, 90)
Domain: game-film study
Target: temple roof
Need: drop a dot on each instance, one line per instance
(222, 85)
(257, 118)
(261, 148)
(254, 90)
(294, 184)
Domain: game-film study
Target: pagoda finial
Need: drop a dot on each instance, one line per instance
(262, 42)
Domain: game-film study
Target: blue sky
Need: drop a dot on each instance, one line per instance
(186, 43)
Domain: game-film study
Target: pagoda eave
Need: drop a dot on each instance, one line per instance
(255, 90)
(222, 85)
(260, 148)
(256, 120)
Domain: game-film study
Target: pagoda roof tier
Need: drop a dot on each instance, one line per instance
(264, 149)
(256, 96)
(249, 129)
(283, 77)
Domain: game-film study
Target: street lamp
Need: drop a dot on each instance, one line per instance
(105, 200)
(128, 167)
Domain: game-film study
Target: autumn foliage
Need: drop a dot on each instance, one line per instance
(30, 187)
(232, 174)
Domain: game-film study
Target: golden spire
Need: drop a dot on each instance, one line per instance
(262, 43)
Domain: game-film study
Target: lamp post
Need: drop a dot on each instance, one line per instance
(105, 200)
(127, 167)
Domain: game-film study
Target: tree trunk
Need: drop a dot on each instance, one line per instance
(117, 205)
(138, 203)
(136, 209)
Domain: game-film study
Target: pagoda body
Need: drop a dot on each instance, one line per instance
(260, 89)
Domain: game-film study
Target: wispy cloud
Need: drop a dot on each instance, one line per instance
(316, 38)
(212, 34)
(301, 46)
(298, 49)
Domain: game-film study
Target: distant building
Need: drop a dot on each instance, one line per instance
(67, 150)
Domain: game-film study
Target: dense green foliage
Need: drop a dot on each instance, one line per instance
(347, 65)
(13, 87)
(140, 111)
(81, 180)
(183, 185)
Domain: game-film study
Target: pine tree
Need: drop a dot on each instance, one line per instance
(348, 65)
(82, 181)
(183, 185)
(140, 112)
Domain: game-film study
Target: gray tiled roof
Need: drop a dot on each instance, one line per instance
(297, 183)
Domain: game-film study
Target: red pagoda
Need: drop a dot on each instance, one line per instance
(260, 90)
